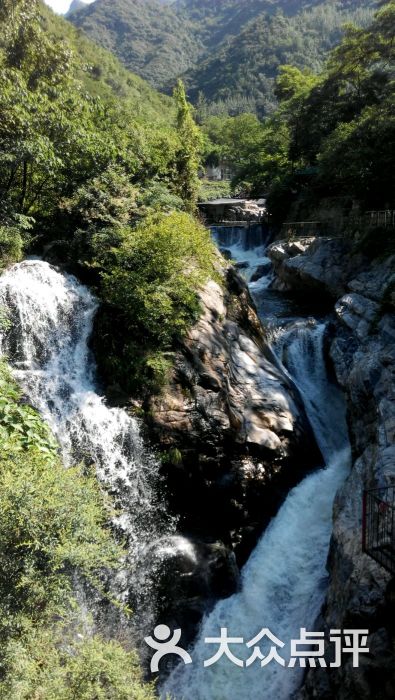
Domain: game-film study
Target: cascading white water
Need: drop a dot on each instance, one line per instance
(246, 246)
(284, 581)
(52, 316)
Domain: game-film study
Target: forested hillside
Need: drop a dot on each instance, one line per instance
(229, 51)
(333, 134)
(146, 35)
(241, 72)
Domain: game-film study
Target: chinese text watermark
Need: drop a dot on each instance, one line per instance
(307, 651)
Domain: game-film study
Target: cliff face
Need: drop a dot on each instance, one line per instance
(233, 436)
(361, 593)
(231, 427)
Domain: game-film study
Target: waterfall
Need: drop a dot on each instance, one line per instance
(52, 316)
(245, 237)
(284, 581)
(246, 245)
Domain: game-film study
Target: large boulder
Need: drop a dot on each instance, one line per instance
(230, 425)
(307, 265)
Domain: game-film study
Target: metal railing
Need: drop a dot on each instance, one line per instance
(378, 526)
(337, 226)
(385, 217)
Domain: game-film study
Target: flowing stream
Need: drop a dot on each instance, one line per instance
(52, 316)
(284, 581)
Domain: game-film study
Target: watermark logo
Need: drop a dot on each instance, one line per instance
(307, 651)
(165, 643)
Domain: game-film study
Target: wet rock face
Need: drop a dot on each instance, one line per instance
(314, 264)
(194, 574)
(231, 428)
(361, 593)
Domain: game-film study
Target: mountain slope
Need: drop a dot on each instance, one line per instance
(226, 49)
(147, 35)
(246, 65)
(103, 75)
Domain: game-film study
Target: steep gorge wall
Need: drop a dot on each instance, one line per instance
(361, 593)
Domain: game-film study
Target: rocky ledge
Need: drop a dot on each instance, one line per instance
(314, 264)
(361, 593)
(233, 438)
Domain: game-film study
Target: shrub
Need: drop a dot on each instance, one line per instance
(20, 425)
(53, 523)
(151, 289)
(157, 274)
(11, 246)
(214, 190)
(57, 665)
(157, 197)
(107, 200)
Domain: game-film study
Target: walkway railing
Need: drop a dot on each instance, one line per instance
(378, 534)
(385, 217)
(337, 226)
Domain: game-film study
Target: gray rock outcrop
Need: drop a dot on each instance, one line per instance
(314, 264)
(361, 593)
(231, 427)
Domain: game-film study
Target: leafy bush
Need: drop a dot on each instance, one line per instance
(150, 283)
(157, 272)
(56, 665)
(213, 190)
(157, 197)
(53, 523)
(11, 246)
(20, 425)
(107, 200)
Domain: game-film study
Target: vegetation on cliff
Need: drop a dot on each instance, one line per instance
(100, 169)
(88, 152)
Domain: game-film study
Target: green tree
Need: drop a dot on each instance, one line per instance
(188, 154)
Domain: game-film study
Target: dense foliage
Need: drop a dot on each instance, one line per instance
(53, 526)
(333, 133)
(86, 154)
(230, 51)
(245, 67)
(149, 280)
(63, 121)
(146, 35)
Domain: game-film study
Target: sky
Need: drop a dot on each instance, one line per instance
(61, 6)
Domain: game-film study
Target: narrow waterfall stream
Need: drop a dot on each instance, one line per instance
(284, 581)
(52, 316)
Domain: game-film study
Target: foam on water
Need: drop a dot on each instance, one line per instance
(284, 581)
(52, 316)
(246, 246)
